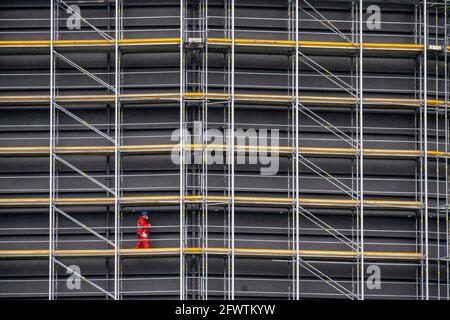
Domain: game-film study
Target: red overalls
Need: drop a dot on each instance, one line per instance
(142, 233)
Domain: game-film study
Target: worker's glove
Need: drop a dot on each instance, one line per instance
(145, 235)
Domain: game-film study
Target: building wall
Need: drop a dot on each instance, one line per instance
(266, 226)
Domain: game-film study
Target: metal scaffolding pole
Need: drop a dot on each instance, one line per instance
(231, 149)
(446, 149)
(425, 144)
(418, 138)
(296, 156)
(117, 158)
(205, 139)
(437, 159)
(181, 166)
(360, 153)
(51, 270)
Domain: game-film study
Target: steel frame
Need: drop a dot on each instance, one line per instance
(54, 209)
(182, 215)
(298, 108)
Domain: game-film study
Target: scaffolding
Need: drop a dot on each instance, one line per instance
(327, 204)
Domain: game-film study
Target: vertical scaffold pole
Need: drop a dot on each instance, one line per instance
(446, 143)
(205, 150)
(437, 147)
(231, 141)
(419, 137)
(117, 154)
(297, 148)
(425, 140)
(51, 266)
(181, 186)
(361, 148)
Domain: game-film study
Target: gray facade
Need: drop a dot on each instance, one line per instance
(86, 143)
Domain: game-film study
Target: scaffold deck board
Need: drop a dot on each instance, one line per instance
(238, 97)
(307, 202)
(241, 45)
(158, 148)
(244, 252)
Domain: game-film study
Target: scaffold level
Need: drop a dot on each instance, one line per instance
(320, 100)
(39, 150)
(307, 202)
(243, 252)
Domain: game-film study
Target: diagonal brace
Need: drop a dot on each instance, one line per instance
(326, 22)
(322, 173)
(84, 71)
(327, 228)
(82, 173)
(70, 114)
(84, 278)
(327, 125)
(95, 233)
(322, 276)
(61, 4)
(328, 74)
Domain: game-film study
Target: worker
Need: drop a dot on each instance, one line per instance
(142, 230)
